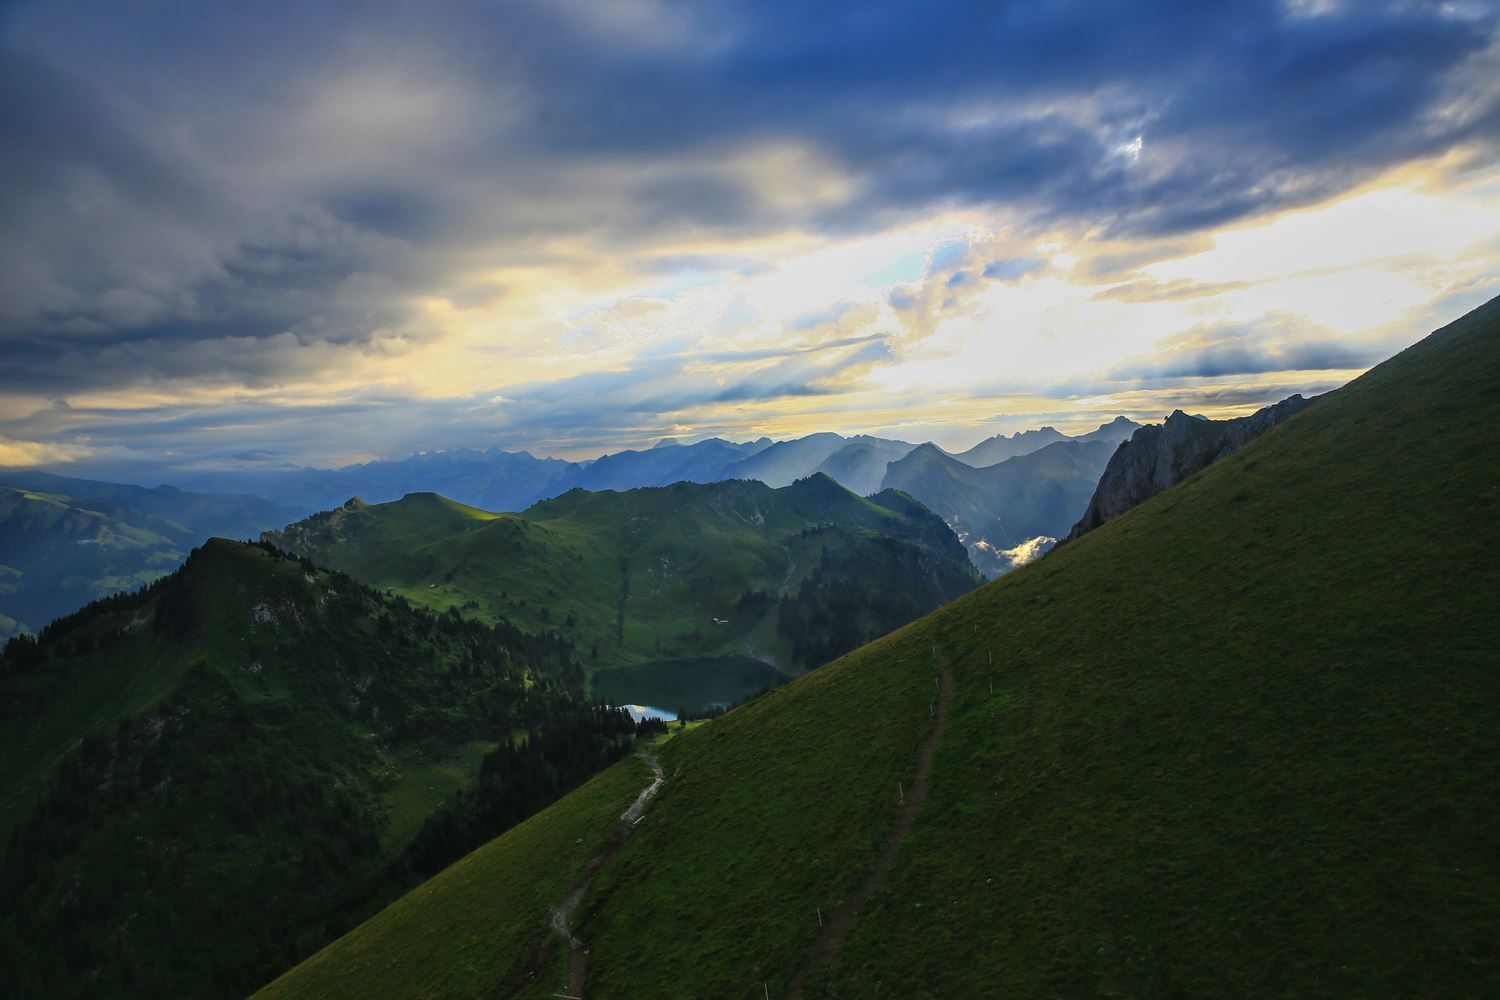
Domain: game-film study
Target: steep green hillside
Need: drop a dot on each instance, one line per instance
(688, 577)
(1242, 740)
(205, 779)
(65, 542)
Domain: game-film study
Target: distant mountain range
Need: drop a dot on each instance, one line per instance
(96, 538)
(663, 465)
(493, 479)
(65, 542)
(1013, 510)
(862, 462)
(512, 481)
(1008, 513)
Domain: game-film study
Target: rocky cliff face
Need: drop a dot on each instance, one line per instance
(1160, 456)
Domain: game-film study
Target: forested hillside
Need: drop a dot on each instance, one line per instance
(207, 778)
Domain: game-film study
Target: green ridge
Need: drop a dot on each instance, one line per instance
(657, 576)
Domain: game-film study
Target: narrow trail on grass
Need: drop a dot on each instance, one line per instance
(838, 922)
(562, 914)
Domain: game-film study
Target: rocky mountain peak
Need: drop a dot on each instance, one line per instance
(1159, 456)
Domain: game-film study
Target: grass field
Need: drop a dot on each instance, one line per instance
(1243, 740)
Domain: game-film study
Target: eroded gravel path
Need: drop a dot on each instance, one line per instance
(562, 914)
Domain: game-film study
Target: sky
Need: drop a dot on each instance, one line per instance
(240, 235)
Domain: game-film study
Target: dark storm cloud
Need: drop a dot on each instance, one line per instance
(1268, 346)
(1249, 106)
(249, 192)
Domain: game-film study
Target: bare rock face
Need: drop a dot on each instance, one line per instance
(1159, 456)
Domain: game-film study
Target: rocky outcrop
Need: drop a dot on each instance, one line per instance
(1159, 456)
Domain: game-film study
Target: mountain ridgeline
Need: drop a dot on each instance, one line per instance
(663, 590)
(65, 542)
(1160, 456)
(1007, 513)
(862, 463)
(1240, 740)
(208, 777)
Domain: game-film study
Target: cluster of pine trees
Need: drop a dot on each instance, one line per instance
(842, 604)
(63, 636)
(147, 863)
(204, 844)
(861, 588)
(522, 775)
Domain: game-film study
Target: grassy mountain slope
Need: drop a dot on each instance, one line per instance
(201, 779)
(1258, 757)
(65, 542)
(1241, 740)
(1001, 506)
(742, 841)
(641, 576)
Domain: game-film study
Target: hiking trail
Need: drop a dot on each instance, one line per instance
(562, 914)
(838, 922)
